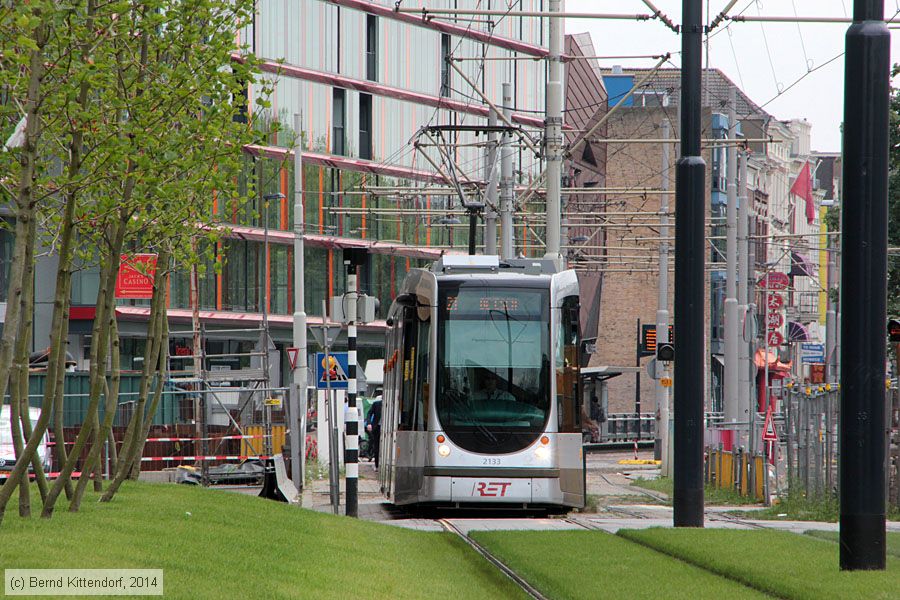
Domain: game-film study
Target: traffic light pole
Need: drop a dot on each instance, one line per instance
(864, 288)
(690, 258)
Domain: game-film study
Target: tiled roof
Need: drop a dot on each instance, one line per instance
(714, 90)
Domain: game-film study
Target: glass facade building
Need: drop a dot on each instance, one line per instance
(364, 80)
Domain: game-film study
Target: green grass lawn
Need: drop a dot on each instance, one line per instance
(783, 564)
(712, 495)
(594, 564)
(893, 539)
(218, 544)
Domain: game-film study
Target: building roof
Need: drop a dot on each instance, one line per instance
(714, 89)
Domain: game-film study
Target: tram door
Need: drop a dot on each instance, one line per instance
(390, 403)
(413, 388)
(567, 368)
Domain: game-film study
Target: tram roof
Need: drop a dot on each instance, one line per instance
(482, 264)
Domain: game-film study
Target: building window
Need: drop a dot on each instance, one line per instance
(365, 126)
(651, 98)
(338, 117)
(371, 47)
(445, 65)
(6, 254)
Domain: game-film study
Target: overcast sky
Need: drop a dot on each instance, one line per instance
(740, 51)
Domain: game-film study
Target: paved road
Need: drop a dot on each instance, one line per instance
(620, 505)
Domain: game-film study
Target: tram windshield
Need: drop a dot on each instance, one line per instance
(493, 366)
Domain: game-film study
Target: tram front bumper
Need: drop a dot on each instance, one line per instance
(502, 489)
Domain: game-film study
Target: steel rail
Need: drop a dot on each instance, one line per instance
(515, 577)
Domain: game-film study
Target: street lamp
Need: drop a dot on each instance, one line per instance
(265, 315)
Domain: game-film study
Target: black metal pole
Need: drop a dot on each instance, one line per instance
(864, 289)
(690, 216)
(637, 381)
(473, 224)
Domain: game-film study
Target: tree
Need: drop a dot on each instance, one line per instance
(146, 132)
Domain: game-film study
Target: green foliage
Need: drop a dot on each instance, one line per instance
(217, 544)
(595, 564)
(784, 565)
(158, 133)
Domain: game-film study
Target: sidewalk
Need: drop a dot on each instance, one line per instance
(619, 504)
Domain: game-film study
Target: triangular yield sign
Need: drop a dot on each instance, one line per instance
(292, 356)
(769, 434)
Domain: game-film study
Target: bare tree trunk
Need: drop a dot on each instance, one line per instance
(133, 443)
(25, 213)
(151, 412)
(151, 352)
(19, 376)
(58, 387)
(100, 345)
(102, 432)
(113, 452)
(99, 355)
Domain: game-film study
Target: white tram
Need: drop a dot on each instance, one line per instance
(481, 398)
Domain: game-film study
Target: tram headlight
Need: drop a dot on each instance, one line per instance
(444, 450)
(542, 452)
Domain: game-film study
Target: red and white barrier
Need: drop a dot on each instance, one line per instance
(192, 439)
(196, 458)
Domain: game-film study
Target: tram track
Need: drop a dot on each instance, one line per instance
(506, 570)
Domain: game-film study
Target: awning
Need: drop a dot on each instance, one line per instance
(797, 332)
(801, 266)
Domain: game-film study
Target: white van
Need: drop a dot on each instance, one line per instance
(7, 450)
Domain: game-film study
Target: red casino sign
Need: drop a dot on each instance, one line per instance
(135, 279)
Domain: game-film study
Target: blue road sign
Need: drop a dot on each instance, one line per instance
(336, 373)
(812, 353)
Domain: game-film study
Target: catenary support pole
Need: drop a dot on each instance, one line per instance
(553, 138)
(690, 214)
(491, 175)
(507, 184)
(744, 272)
(732, 325)
(300, 373)
(351, 453)
(864, 288)
(662, 306)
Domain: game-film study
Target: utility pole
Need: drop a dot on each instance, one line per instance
(690, 219)
(744, 271)
(490, 193)
(831, 316)
(553, 139)
(352, 259)
(864, 283)
(298, 398)
(507, 183)
(732, 325)
(199, 398)
(662, 305)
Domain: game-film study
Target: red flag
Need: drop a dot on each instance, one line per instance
(803, 187)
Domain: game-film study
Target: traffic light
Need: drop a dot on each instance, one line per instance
(665, 352)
